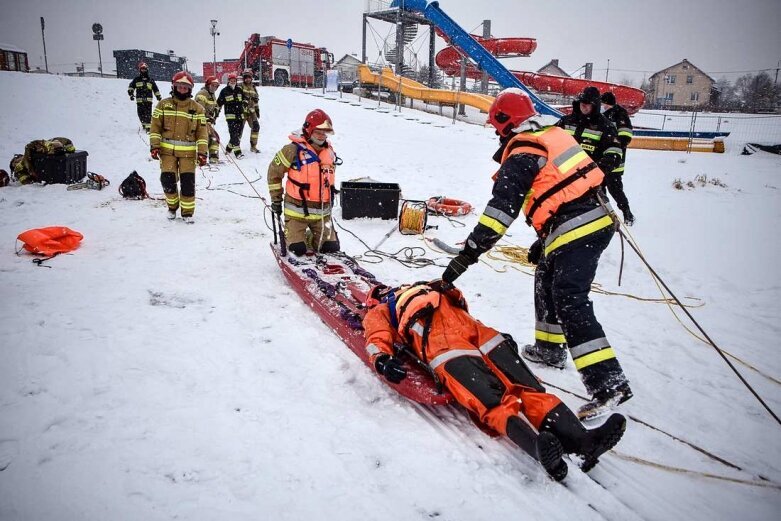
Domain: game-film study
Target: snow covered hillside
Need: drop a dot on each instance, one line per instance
(168, 371)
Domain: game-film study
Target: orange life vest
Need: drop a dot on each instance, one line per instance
(50, 241)
(568, 172)
(312, 175)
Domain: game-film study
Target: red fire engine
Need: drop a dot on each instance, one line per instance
(276, 62)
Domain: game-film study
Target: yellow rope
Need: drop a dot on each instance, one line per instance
(514, 255)
(412, 218)
(678, 470)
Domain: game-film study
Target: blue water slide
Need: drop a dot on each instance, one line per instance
(468, 45)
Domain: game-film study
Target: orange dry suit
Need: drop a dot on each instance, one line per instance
(477, 364)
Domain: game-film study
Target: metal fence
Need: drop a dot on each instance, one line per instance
(742, 128)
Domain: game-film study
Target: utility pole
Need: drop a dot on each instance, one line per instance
(608, 69)
(215, 34)
(774, 83)
(46, 58)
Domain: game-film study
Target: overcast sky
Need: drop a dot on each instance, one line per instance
(718, 36)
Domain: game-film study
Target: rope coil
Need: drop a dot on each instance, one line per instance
(413, 218)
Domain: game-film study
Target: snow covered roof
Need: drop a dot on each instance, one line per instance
(12, 48)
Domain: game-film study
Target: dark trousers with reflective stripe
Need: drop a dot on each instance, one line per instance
(615, 185)
(144, 111)
(562, 283)
(235, 128)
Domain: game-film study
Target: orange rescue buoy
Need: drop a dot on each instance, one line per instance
(445, 206)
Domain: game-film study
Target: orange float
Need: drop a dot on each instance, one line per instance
(50, 240)
(445, 206)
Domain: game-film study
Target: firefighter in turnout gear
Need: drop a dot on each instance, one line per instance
(141, 89)
(618, 115)
(232, 98)
(208, 101)
(546, 175)
(595, 133)
(251, 110)
(179, 139)
(482, 370)
(309, 163)
(23, 165)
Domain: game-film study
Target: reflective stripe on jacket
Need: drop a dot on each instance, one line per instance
(568, 173)
(179, 128)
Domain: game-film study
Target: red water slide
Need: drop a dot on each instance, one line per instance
(449, 60)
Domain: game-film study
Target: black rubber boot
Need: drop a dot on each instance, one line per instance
(576, 439)
(544, 447)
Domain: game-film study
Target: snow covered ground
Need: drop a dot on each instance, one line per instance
(167, 371)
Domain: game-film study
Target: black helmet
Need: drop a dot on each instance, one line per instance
(609, 98)
(589, 95)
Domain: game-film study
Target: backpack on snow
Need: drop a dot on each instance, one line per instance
(133, 187)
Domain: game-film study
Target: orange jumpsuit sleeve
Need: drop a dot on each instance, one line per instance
(379, 332)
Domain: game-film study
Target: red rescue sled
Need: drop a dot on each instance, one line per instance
(334, 286)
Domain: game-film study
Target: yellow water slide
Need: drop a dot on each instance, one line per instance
(413, 89)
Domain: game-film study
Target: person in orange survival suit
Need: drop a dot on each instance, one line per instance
(482, 370)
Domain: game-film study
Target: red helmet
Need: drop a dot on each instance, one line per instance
(376, 295)
(317, 120)
(212, 79)
(232, 76)
(142, 65)
(182, 78)
(510, 108)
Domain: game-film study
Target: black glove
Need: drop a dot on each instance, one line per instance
(276, 207)
(390, 367)
(132, 97)
(440, 285)
(459, 264)
(609, 163)
(535, 252)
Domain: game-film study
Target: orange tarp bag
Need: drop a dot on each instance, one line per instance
(50, 241)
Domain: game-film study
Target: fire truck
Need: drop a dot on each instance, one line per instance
(276, 62)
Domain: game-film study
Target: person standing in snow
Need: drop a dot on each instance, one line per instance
(251, 108)
(618, 115)
(178, 138)
(482, 370)
(546, 175)
(309, 162)
(207, 100)
(141, 90)
(232, 98)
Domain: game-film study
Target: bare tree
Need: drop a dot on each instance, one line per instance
(757, 93)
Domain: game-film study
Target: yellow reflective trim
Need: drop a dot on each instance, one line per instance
(570, 163)
(155, 134)
(202, 142)
(310, 217)
(625, 133)
(180, 148)
(554, 338)
(619, 169)
(594, 358)
(275, 186)
(492, 223)
(187, 205)
(282, 159)
(580, 231)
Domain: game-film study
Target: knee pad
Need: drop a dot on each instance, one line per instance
(187, 180)
(329, 247)
(256, 126)
(168, 180)
(297, 248)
